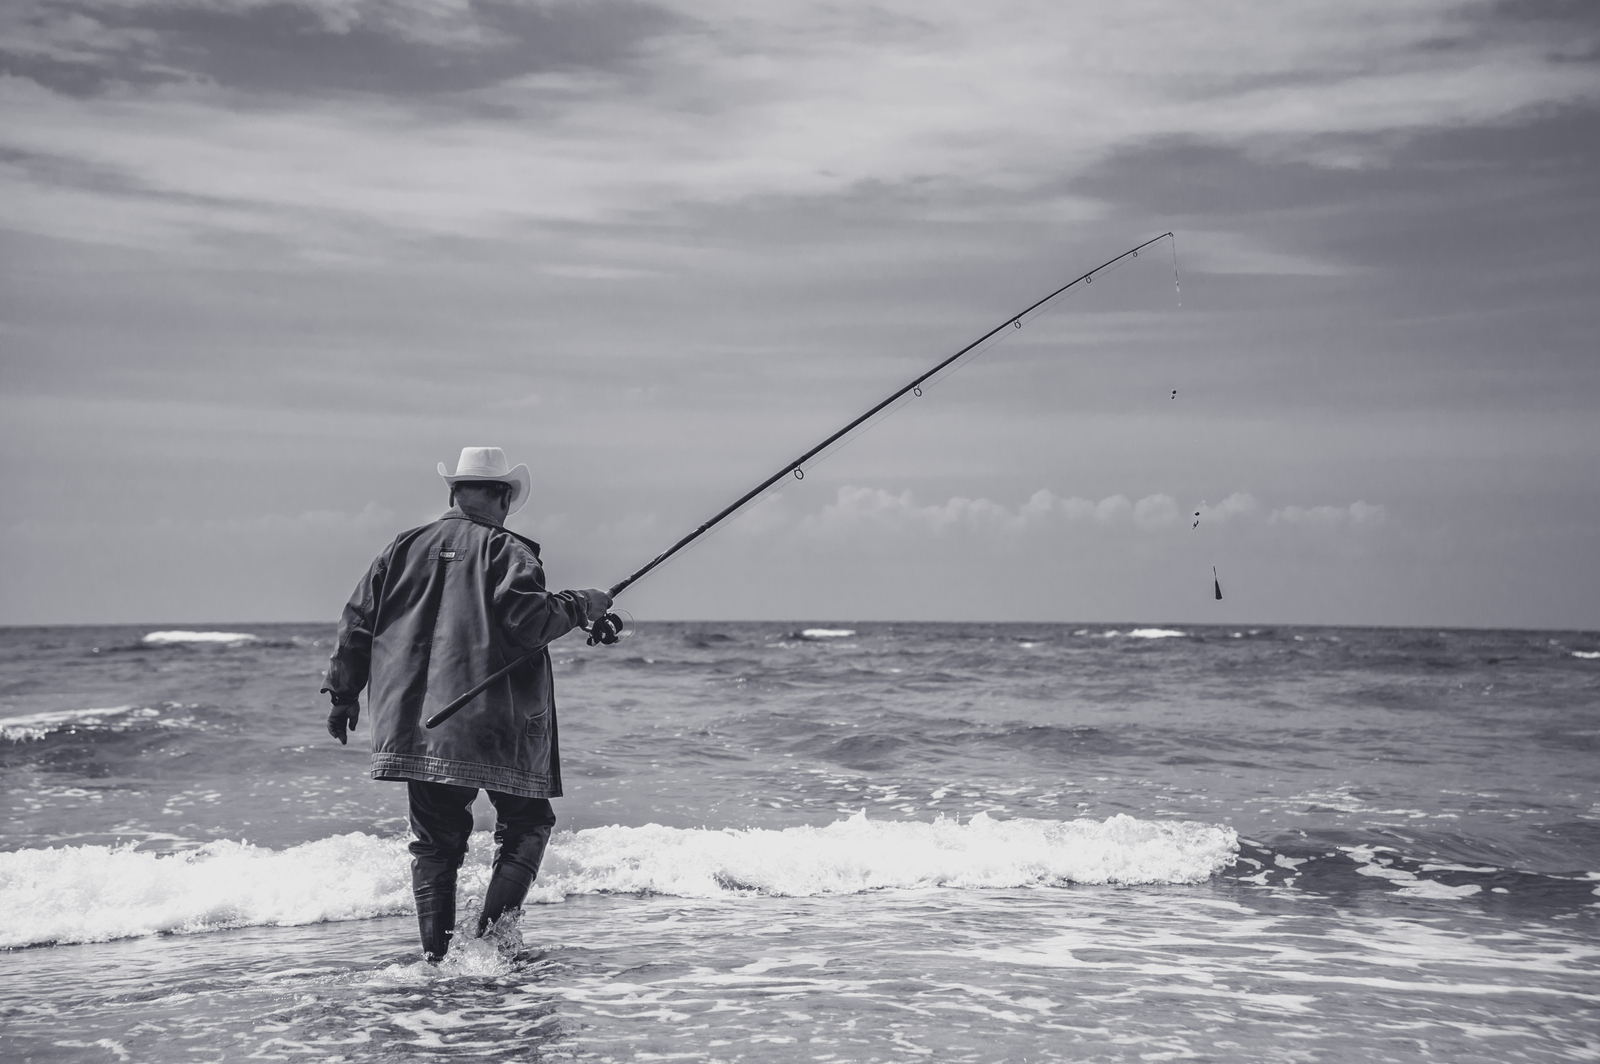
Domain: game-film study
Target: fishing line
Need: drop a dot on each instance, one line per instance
(1175, 287)
(630, 626)
(1023, 327)
(914, 388)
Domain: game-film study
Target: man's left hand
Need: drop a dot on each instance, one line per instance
(342, 716)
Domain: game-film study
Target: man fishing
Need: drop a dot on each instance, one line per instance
(442, 609)
(446, 608)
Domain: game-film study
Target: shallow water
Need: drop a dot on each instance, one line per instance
(971, 842)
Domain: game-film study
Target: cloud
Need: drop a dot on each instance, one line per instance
(858, 511)
(1237, 505)
(859, 514)
(1357, 515)
(1235, 253)
(1156, 511)
(873, 552)
(545, 112)
(303, 47)
(861, 522)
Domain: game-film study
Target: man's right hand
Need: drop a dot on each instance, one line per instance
(606, 630)
(596, 602)
(341, 717)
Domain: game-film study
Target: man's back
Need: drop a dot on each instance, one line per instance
(443, 607)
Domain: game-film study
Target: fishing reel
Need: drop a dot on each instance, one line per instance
(607, 630)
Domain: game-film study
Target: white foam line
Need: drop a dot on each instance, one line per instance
(38, 725)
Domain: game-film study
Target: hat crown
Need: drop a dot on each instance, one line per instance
(489, 463)
(482, 462)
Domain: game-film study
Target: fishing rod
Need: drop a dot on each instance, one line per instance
(796, 466)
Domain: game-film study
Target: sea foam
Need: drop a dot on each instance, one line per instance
(98, 893)
(855, 855)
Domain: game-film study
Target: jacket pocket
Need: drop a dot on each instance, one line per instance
(538, 724)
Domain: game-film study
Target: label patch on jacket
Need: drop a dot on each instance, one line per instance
(443, 554)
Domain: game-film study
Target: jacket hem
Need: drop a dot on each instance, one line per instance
(426, 769)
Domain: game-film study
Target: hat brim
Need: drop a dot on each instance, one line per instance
(520, 479)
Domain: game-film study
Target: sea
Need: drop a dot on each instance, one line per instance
(828, 841)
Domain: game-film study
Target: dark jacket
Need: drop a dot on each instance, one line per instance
(443, 607)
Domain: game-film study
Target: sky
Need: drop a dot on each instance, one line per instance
(263, 265)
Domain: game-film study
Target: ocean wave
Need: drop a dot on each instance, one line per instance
(1338, 864)
(1138, 633)
(38, 725)
(826, 633)
(169, 638)
(99, 893)
(1589, 654)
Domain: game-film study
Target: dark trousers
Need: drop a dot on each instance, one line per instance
(441, 820)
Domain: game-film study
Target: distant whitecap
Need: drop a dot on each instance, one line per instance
(1590, 654)
(163, 638)
(827, 633)
(1155, 633)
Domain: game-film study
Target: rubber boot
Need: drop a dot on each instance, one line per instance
(434, 886)
(504, 893)
(436, 929)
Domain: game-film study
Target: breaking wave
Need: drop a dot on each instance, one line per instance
(99, 893)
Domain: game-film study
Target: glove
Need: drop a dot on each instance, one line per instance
(342, 715)
(596, 602)
(607, 630)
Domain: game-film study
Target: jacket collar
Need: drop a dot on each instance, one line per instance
(455, 513)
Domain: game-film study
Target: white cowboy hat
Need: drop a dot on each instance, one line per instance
(489, 463)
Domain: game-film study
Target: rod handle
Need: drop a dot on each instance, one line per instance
(455, 707)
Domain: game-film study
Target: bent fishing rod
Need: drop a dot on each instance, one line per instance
(796, 467)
